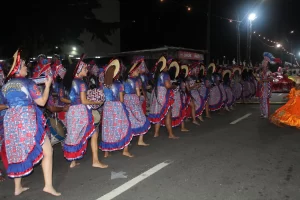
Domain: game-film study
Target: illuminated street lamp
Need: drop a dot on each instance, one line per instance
(251, 18)
(74, 48)
(278, 45)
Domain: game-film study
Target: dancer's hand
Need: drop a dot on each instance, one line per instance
(48, 81)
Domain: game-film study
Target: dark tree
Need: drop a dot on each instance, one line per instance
(38, 25)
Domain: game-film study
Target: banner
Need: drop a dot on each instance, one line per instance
(185, 55)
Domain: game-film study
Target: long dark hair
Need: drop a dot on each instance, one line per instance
(68, 79)
(172, 73)
(109, 76)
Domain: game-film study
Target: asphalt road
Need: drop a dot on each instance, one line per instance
(249, 160)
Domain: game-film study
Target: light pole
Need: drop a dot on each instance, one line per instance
(251, 18)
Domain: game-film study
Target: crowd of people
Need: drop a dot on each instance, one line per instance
(79, 92)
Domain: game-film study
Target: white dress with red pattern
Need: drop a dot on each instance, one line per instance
(80, 123)
(161, 99)
(24, 127)
(139, 122)
(196, 97)
(116, 127)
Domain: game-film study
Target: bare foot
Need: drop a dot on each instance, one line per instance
(184, 130)
(128, 154)
(173, 137)
(156, 134)
(209, 117)
(201, 119)
(52, 191)
(143, 144)
(19, 191)
(107, 154)
(2, 179)
(99, 165)
(195, 122)
(74, 164)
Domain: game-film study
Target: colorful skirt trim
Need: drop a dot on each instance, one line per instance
(215, 99)
(139, 122)
(80, 127)
(116, 127)
(24, 129)
(160, 105)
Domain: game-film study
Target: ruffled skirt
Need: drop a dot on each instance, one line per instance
(116, 127)
(139, 122)
(160, 104)
(80, 127)
(24, 129)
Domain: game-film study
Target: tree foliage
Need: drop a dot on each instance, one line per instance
(38, 25)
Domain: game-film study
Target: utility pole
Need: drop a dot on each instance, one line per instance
(208, 33)
(238, 48)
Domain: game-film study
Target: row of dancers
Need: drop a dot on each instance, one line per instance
(177, 92)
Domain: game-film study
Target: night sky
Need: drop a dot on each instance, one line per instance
(151, 24)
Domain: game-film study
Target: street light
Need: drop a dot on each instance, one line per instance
(74, 48)
(292, 32)
(299, 53)
(251, 18)
(278, 45)
(56, 47)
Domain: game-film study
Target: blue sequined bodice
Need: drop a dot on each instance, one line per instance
(112, 93)
(78, 86)
(130, 85)
(20, 92)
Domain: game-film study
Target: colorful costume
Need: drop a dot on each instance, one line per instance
(264, 88)
(227, 87)
(80, 122)
(289, 114)
(237, 88)
(116, 127)
(2, 113)
(144, 81)
(216, 97)
(161, 99)
(139, 123)
(24, 125)
(179, 106)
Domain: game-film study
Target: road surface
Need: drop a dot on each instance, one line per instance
(236, 156)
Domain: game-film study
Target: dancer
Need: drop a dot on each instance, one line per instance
(80, 122)
(204, 90)
(215, 99)
(246, 85)
(193, 87)
(264, 90)
(227, 74)
(179, 107)
(26, 144)
(237, 87)
(132, 85)
(145, 86)
(162, 98)
(3, 109)
(188, 105)
(290, 112)
(116, 127)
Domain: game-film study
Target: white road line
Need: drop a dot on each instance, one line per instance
(126, 186)
(241, 118)
(280, 94)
